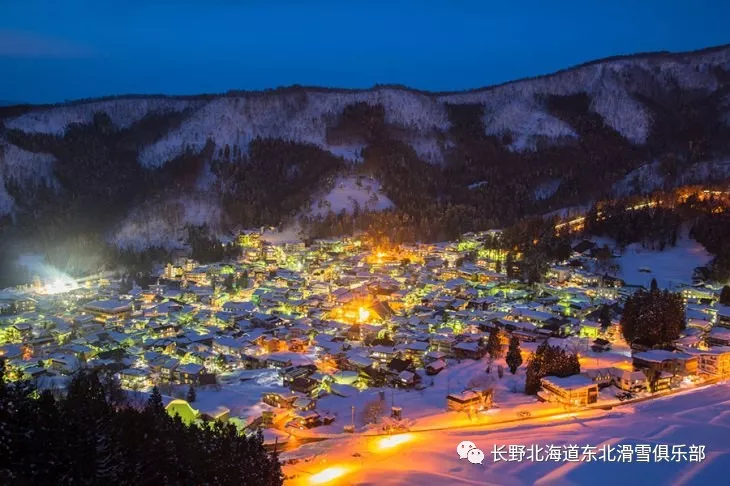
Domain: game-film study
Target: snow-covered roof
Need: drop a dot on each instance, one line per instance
(659, 355)
(406, 375)
(109, 305)
(191, 368)
(467, 346)
(569, 382)
(723, 310)
(720, 333)
(621, 373)
(437, 365)
(717, 350)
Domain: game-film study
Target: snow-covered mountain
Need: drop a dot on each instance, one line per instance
(304, 115)
(634, 97)
(349, 194)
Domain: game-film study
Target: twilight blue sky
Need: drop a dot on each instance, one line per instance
(53, 50)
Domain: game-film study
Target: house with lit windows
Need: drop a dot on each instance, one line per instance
(571, 391)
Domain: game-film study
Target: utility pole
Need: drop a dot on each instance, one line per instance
(353, 417)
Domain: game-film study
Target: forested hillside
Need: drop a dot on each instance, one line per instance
(136, 171)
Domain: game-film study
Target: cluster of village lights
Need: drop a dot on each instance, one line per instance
(60, 285)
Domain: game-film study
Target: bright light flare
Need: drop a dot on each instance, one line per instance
(53, 280)
(329, 474)
(363, 314)
(393, 441)
(60, 285)
(563, 416)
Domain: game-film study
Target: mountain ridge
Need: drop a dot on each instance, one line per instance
(455, 160)
(316, 88)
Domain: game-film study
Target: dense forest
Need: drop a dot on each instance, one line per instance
(94, 436)
(713, 231)
(433, 201)
(655, 228)
(653, 318)
(272, 181)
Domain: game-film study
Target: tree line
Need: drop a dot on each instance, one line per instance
(549, 360)
(94, 436)
(713, 231)
(653, 318)
(655, 228)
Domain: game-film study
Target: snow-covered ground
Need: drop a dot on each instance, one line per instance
(240, 392)
(670, 267)
(289, 234)
(26, 169)
(350, 192)
(696, 417)
(122, 111)
(547, 189)
(162, 223)
(527, 121)
(569, 212)
(642, 180)
(515, 108)
(302, 116)
(649, 177)
(427, 408)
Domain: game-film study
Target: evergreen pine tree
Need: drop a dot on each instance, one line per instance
(87, 418)
(49, 431)
(494, 344)
(514, 356)
(191, 394)
(653, 318)
(86, 439)
(154, 403)
(535, 370)
(654, 285)
(573, 365)
(549, 361)
(509, 264)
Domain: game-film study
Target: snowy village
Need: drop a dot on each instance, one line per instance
(364, 243)
(310, 342)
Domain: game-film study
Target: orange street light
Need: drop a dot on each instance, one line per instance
(393, 441)
(329, 474)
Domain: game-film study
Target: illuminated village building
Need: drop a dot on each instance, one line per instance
(334, 317)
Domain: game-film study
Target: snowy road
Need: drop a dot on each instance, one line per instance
(698, 417)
